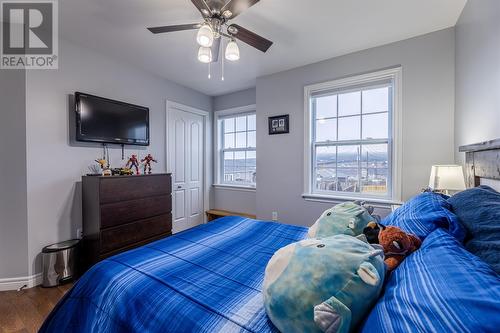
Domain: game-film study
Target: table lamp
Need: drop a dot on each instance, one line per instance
(447, 179)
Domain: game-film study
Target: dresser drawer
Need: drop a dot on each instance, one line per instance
(154, 226)
(123, 235)
(115, 238)
(133, 187)
(117, 213)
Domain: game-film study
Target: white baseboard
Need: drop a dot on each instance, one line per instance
(18, 282)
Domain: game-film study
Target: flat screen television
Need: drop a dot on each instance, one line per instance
(105, 120)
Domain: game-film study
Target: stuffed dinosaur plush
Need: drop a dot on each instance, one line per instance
(348, 218)
(322, 285)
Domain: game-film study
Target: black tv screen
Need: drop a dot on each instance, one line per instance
(104, 120)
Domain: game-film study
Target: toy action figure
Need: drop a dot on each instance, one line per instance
(147, 163)
(133, 162)
(104, 164)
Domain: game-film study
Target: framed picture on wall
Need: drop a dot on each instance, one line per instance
(279, 124)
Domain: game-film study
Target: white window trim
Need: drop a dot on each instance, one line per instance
(394, 74)
(217, 149)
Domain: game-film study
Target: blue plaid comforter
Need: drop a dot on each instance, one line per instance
(442, 287)
(206, 279)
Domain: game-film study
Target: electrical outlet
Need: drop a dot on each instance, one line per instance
(79, 233)
(275, 216)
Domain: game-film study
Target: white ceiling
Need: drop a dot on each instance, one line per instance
(303, 32)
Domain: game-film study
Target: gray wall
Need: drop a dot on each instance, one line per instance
(235, 200)
(477, 115)
(427, 118)
(226, 198)
(233, 100)
(13, 216)
(55, 166)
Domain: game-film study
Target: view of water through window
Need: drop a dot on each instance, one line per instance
(239, 165)
(351, 141)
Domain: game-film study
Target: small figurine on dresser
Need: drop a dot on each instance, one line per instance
(132, 163)
(147, 163)
(105, 170)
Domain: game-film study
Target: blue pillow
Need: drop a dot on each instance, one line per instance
(423, 214)
(478, 210)
(439, 288)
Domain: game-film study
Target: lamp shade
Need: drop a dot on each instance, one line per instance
(205, 36)
(447, 178)
(232, 51)
(205, 54)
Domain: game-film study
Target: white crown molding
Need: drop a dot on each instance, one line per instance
(19, 282)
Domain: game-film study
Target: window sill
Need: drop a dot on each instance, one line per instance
(376, 202)
(234, 187)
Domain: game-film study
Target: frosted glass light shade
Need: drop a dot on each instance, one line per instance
(205, 36)
(232, 51)
(205, 54)
(447, 178)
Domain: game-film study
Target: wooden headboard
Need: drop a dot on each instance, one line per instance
(482, 163)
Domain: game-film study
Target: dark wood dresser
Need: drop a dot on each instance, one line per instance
(123, 212)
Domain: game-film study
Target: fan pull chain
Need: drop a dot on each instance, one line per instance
(209, 76)
(222, 57)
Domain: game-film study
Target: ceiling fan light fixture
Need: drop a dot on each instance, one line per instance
(205, 55)
(205, 36)
(232, 51)
(227, 14)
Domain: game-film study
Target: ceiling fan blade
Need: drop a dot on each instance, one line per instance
(216, 49)
(249, 37)
(170, 28)
(202, 7)
(236, 7)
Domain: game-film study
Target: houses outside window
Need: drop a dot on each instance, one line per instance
(351, 137)
(236, 147)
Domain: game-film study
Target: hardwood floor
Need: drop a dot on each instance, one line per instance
(24, 311)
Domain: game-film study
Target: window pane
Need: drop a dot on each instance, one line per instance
(350, 128)
(326, 157)
(251, 122)
(325, 168)
(251, 139)
(228, 125)
(241, 140)
(375, 169)
(350, 103)
(326, 129)
(239, 166)
(229, 140)
(326, 179)
(376, 100)
(241, 124)
(376, 126)
(228, 162)
(348, 168)
(326, 107)
(251, 166)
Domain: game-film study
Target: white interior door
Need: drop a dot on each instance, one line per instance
(186, 151)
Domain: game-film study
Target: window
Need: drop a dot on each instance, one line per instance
(237, 149)
(351, 137)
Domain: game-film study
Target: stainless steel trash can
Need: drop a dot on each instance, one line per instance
(58, 262)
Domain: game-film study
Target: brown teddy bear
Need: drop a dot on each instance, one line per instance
(397, 244)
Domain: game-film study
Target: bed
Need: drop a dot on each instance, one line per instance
(208, 279)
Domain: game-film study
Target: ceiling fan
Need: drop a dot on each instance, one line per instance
(216, 16)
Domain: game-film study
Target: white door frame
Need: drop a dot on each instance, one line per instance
(207, 152)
